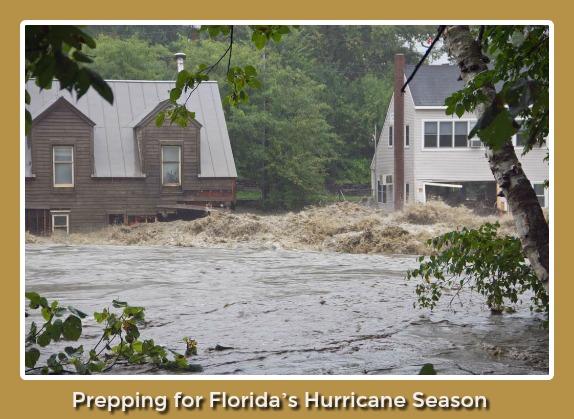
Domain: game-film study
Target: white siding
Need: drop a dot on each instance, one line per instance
(440, 165)
(384, 160)
(448, 165)
(410, 151)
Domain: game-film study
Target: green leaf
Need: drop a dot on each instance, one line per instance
(31, 336)
(183, 78)
(46, 313)
(459, 109)
(259, 39)
(119, 304)
(55, 330)
(77, 312)
(72, 328)
(81, 57)
(250, 71)
(74, 352)
(159, 119)
(44, 339)
(32, 356)
(174, 94)
(499, 131)
(80, 367)
(54, 363)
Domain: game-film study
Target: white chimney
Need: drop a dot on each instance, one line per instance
(179, 58)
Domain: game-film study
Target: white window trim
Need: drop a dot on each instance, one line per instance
(179, 163)
(545, 193)
(62, 185)
(409, 136)
(452, 148)
(61, 213)
(388, 191)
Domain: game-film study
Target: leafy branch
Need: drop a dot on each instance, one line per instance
(238, 78)
(522, 102)
(55, 52)
(481, 260)
(122, 327)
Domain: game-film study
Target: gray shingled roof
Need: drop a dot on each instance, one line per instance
(433, 83)
(115, 152)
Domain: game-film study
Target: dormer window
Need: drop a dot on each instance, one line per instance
(171, 165)
(63, 160)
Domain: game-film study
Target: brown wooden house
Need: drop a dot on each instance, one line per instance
(89, 163)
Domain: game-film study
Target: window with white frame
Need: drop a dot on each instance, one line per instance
(63, 161)
(387, 188)
(446, 134)
(61, 221)
(431, 135)
(407, 192)
(519, 140)
(390, 136)
(171, 165)
(407, 136)
(541, 194)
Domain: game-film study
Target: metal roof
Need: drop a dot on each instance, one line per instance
(115, 148)
(433, 83)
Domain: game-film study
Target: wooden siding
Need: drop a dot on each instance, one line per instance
(93, 199)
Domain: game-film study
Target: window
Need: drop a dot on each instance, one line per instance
(171, 165)
(461, 134)
(379, 191)
(407, 136)
(61, 221)
(63, 158)
(407, 192)
(540, 194)
(431, 134)
(387, 192)
(391, 136)
(446, 134)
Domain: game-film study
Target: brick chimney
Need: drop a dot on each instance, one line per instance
(180, 59)
(398, 132)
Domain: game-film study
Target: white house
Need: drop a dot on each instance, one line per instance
(423, 153)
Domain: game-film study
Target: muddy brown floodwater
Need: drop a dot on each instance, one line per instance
(287, 312)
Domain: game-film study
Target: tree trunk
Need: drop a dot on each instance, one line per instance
(530, 222)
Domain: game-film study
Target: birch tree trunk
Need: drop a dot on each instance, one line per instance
(530, 222)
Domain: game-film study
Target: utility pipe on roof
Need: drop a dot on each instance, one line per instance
(180, 59)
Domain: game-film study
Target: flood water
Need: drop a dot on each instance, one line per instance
(287, 312)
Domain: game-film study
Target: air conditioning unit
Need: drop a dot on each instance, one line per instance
(475, 143)
(388, 180)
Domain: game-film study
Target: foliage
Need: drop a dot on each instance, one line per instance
(427, 369)
(521, 70)
(282, 137)
(131, 59)
(479, 259)
(56, 52)
(121, 329)
(239, 78)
